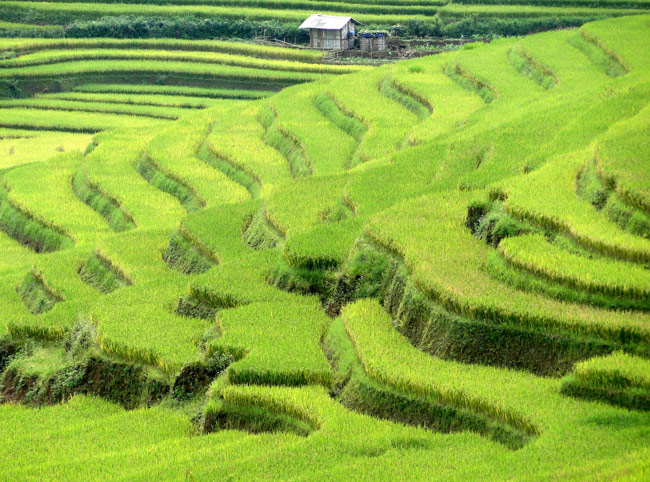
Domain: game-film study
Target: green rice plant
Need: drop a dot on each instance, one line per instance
(618, 370)
(627, 217)
(569, 66)
(370, 271)
(22, 147)
(324, 246)
(227, 220)
(298, 115)
(428, 8)
(46, 57)
(386, 127)
(591, 188)
(61, 278)
(450, 103)
(529, 67)
(433, 281)
(567, 3)
(255, 335)
(345, 121)
(440, 264)
(134, 99)
(535, 254)
(36, 186)
(67, 121)
(499, 269)
(25, 45)
(378, 347)
(153, 112)
(619, 379)
(285, 143)
(93, 195)
(61, 13)
(300, 204)
(622, 160)
(102, 274)
(522, 11)
(111, 166)
(93, 69)
(238, 138)
(173, 90)
(595, 53)
(201, 302)
(27, 229)
(175, 151)
(183, 256)
(628, 48)
(37, 295)
(259, 232)
(238, 416)
(547, 198)
(12, 29)
(165, 341)
(360, 392)
(418, 105)
(231, 169)
(11, 134)
(167, 183)
(469, 82)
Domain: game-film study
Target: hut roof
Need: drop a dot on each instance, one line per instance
(327, 22)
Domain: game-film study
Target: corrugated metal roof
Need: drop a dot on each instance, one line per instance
(326, 22)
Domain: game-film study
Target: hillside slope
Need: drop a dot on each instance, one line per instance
(436, 269)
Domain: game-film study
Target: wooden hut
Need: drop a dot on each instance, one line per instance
(327, 32)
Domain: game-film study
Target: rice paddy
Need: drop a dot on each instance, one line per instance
(223, 259)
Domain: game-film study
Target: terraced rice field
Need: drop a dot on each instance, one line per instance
(281, 18)
(224, 260)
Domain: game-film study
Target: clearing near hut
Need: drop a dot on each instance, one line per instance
(225, 260)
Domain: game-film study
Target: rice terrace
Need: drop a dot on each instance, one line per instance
(325, 240)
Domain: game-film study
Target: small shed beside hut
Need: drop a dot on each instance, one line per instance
(327, 32)
(373, 41)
